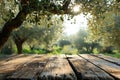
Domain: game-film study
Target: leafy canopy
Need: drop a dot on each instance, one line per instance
(98, 9)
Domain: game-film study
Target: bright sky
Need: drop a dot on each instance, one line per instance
(80, 22)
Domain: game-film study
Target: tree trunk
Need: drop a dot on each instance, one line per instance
(19, 47)
(18, 20)
(11, 25)
(19, 42)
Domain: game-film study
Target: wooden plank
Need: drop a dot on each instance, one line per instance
(88, 71)
(57, 68)
(9, 66)
(109, 58)
(11, 57)
(30, 70)
(110, 68)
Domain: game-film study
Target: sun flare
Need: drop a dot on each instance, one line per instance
(80, 23)
(76, 8)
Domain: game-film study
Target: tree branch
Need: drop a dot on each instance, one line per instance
(18, 20)
(11, 25)
(66, 4)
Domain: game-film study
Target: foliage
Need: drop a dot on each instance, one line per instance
(69, 50)
(8, 47)
(56, 50)
(6, 50)
(96, 51)
(40, 51)
(116, 54)
(102, 24)
(63, 43)
(48, 34)
(36, 35)
(107, 30)
(83, 43)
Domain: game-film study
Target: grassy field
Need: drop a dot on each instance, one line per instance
(117, 55)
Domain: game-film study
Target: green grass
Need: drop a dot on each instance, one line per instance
(27, 51)
(116, 55)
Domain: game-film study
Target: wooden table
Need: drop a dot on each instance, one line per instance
(60, 67)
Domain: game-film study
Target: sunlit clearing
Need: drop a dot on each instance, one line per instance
(76, 8)
(74, 25)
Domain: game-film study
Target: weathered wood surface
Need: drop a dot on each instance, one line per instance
(59, 67)
(8, 66)
(109, 58)
(8, 58)
(88, 71)
(110, 68)
(31, 69)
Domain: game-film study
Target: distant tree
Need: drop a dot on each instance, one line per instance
(107, 49)
(107, 30)
(8, 47)
(63, 43)
(36, 34)
(83, 43)
(48, 33)
(15, 12)
(22, 34)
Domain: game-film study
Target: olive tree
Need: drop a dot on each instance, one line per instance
(41, 34)
(18, 10)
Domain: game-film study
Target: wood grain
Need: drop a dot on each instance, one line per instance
(112, 69)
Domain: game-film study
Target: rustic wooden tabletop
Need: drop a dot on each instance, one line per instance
(60, 67)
